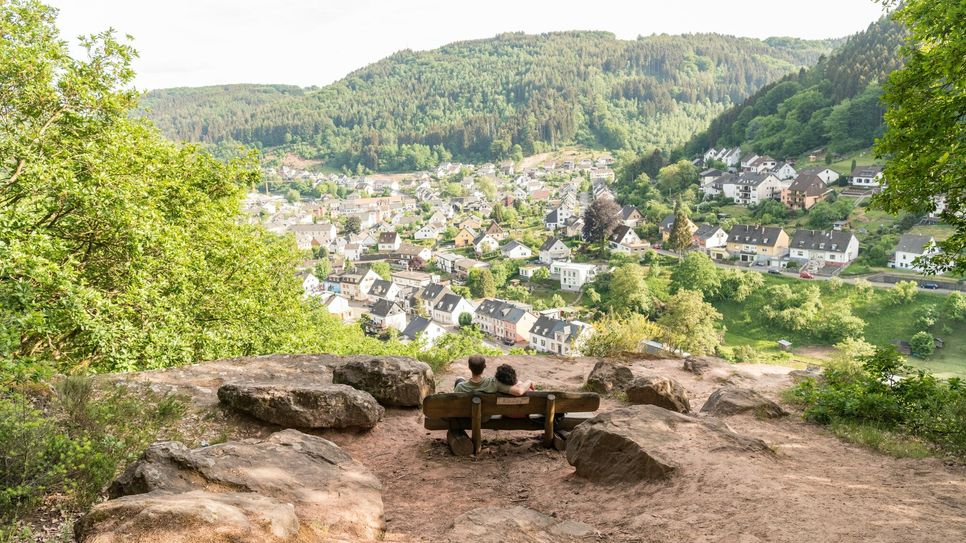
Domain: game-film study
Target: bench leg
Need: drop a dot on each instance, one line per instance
(548, 423)
(459, 443)
(477, 422)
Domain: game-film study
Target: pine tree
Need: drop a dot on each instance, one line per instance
(680, 239)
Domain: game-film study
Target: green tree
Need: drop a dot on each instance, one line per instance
(557, 301)
(954, 307)
(292, 196)
(600, 220)
(676, 177)
(481, 283)
(541, 274)
(922, 344)
(353, 225)
(690, 324)
(923, 142)
(679, 239)
(465, 319)
(696, 272)
(629, 291)
(323, 268)
(382, 269)
(904, 292)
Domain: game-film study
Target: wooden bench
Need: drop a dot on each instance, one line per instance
(457, 412)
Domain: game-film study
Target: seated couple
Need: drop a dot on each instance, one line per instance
(505, 380)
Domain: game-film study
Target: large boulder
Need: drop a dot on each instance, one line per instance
(734, 401)
(609, 376)
(660, 391)
(333, 495)
(518, 524)
(649, 443)
(699, 365)
(190, 517)
(304, 406)
(394, 381)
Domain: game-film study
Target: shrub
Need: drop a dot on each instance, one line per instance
(615, 335)
(922, 344)
(904, 292)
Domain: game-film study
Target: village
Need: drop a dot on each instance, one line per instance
(399, 253)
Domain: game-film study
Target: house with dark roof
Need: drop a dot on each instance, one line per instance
(631, 216)
(386, 314)
(832, 247)
(709, 236)
(558, 336)
(624, 240)
(756, 243)
(912, 247)
(515, 250)
(424, 330)
(553, 249)
(484, 243)
(667, 223)
(505, 321)
(389, 241)
(449, 307)
(867, 176)
(805, 191)
(496, 231)
(384, 290)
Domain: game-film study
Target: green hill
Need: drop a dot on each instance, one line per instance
(477, 100)
(834, 104)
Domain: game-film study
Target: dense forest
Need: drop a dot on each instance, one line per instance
(495, 98)
(835, 104)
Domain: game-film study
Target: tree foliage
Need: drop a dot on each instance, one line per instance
(600, 220)
(690, 324)
(924, 142)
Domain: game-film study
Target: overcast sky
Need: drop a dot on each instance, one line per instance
(315, 42)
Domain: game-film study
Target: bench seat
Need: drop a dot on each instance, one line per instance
(534, 422)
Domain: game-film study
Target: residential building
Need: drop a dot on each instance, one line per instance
(424, 330)
(389, 242)
(463, 266)
(504, 321)
(337, 305)
(709, 236)
(558, 336)
(384, 290)
(631, 216)
(414, 279)
(625, 240)
(308, 236)
(755, 243)
(516, 250)
(667, 224)
(867, 176)
(553, 249)
(428, 231)
(574, 275)
(386, 314)
(830, 247)
(752, 188)
(912, 247)
(352, 285)
(784, 170)
(447, 261)
(464, 237)
(484, 244)
(806, 191)
(496, 232)
(449, 307)
(825, 174)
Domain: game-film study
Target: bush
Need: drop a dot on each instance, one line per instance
(615, 335)
(922, 344)
(904, 292)
(879, 391)
(73, 442)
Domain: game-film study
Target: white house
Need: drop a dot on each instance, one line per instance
(516, 250)
(709, 236)
(784, 170)
(867, 176)
(448, 309)
(833, 247)
(384, 290)
(574, 275)
(388, 242)
(424, 330)
(484, 243)
(625, 240)
(313, 235)
(414, 279)
(337, 305)
(557, 336)
(428, 231)
(354, 286)
(311, 286)
(911, 247)
(553, 249)
(386, 314)
(752, 188)
(447, 261)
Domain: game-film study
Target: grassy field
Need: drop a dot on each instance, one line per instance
(843, 166)
(884, 322)
(938, 231)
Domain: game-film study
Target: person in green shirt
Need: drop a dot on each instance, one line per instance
(489, 385)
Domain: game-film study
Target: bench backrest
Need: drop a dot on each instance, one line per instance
(459, 405)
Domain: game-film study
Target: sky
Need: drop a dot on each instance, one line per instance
(316, 42)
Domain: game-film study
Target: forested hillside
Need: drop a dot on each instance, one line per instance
(490, 99)
(835, 103)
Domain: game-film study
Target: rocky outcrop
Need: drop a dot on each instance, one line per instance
(660, 391)
(699, 365)
(305, 406)
(812, 372)
(649, 443)
(333, 495)
(190, 517)
(393, 380)
(518, 524)
(734, 401)
(609, 376)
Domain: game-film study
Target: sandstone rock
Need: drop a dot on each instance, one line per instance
(802, 375)
(609, 376)
(517, 524)
(393, 380)
(191, 517)
(308, 406)
(333, 495)
(733, 401)
(660, 391)
(699, 365)
(647, 443)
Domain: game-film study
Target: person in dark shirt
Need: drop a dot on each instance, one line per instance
(478, 383)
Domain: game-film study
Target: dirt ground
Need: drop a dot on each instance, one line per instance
(818, 488)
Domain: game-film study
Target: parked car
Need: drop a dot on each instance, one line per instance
(930, 286)
(805, 274)
(773, 271)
